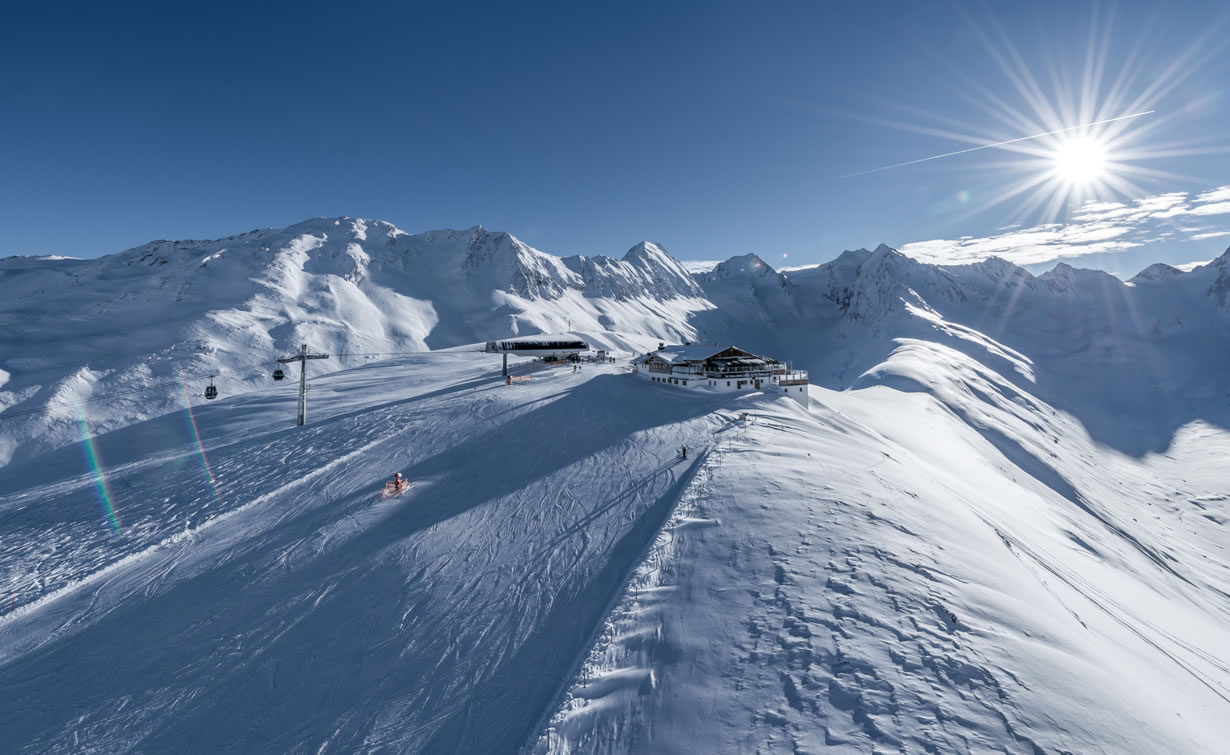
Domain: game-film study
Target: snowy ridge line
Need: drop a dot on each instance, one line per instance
(178, 537)
(645, 576)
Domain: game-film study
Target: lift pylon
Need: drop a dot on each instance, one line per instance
(302, 358)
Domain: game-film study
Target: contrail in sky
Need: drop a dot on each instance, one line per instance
(996, 144)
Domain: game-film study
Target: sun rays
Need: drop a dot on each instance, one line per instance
(1067, 129)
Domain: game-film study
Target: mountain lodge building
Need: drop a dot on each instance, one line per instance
(720, 368)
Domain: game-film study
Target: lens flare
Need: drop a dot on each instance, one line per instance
(94, 462)
(196, 436)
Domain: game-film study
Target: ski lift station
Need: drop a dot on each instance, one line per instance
(547, 348)
(720, 368)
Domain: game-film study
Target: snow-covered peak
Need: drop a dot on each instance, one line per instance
(998, 268)
(990, 277)
(1064, 278)
(1219, 289)
(647, 250)
(885, 255)
(740, 266)
(660, 271)
(1156, 271)
(851, 257)
(1060, 270)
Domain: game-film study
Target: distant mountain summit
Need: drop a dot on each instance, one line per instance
(741, 266)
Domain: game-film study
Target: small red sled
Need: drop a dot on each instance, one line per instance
(392, 489)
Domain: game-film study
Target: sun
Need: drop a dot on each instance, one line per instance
(1080, 161)
(1068, 131)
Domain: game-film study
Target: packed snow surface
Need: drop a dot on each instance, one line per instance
(999, 523)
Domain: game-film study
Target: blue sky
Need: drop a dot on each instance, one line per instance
(714, 129)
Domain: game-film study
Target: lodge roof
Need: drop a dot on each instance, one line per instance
(691, 353)
(536, 343)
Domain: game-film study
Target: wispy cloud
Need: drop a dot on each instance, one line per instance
(1216, 195)
(1214, 208)
(1096, 227)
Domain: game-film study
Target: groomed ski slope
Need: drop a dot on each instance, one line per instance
(935, 561)
(296, 610)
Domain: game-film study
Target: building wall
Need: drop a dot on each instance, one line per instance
(671, 378)
(798, 392)
(692, 381)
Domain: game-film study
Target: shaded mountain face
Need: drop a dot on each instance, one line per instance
(1134, 360)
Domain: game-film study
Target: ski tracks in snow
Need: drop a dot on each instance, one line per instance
(621, 664)
(141, 571)
(343, 622)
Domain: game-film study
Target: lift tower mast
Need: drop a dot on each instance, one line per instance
(302, 358)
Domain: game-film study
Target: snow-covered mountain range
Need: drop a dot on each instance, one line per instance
(75, 329)
(72, 329)
(998, 523)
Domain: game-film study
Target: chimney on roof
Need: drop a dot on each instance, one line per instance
(661, 346)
